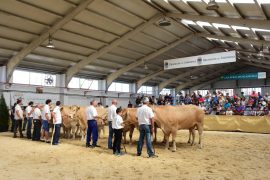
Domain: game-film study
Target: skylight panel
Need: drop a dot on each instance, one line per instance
(187, 22)
(263, 1)
(256, 29)
(201, 23)
(243, 1)
(240, 28)
(217, 25)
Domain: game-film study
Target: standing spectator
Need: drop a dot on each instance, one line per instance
(92, 129)
(111, 117)
(57, 121)
(46, 117)
(145, 117)
(29, 115)
(117, 125)
(12, 115)
(18, 116)
(37, 123)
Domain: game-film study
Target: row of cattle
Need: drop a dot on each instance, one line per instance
(169, 118)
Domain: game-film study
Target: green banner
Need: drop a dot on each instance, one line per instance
(256, 75)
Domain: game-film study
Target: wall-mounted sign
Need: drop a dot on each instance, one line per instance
(256, 75)
(208, 59)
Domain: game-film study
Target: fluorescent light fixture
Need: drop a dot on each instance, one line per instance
(50, 43)
(212, 5)
(263, 1)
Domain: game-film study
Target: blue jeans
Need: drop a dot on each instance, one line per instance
(110, 135)
(45, 125)
(145, 132)
(29, 127)
(56, 133)
(24, 123)
(92, 130)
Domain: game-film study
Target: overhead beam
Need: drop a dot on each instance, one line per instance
(145, 59)
(256, 65)
(15, 60)
(221, 70)
(168, 81)
(199, 86)
(235, 39)
(251, 23)
(75, 69)
(140, 82)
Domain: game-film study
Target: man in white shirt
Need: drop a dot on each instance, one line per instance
(18, 116)
(46, 117)
(92, 129)
(145, 117)
(29, 115)
(57, 121)
(111, 116)
(37, 123)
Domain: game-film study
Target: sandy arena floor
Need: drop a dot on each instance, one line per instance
(225, 155)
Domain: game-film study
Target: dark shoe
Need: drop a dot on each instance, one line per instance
(96, 145)
(88, 146)
(48, 142)
(14, 136)
(21, 136)
(139, 154)
(153, 156)
(54, 143)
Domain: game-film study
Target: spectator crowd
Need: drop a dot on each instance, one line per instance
(217, 103)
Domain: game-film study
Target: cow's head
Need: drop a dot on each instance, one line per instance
(72, 111)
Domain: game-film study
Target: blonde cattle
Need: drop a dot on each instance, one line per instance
(70, 124)
(80, 116)
(173, 118)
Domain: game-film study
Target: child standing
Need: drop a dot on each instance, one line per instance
(117, 125)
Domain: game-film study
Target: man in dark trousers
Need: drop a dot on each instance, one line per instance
(92, 129)
(18, 116)
(37, 123)
(57, 121)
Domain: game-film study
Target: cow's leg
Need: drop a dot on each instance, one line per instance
(189, 138)
(200, 130)
(155, 133)
(99, 130)
(131, 134)
(167, 136)
(193, 136)
(103, 130)
(173, 140)
(124, 136)
(73, 132)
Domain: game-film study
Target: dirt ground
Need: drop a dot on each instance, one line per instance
(225, 155)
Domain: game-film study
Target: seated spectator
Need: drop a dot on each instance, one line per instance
(227, 105)
(248, 111)
(239, 110)
(229, 111)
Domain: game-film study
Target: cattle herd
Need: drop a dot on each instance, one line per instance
(169, 119)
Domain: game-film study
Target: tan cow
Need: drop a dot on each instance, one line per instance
(80, 116)
(173, 118)
(130, 122)
(70, 124)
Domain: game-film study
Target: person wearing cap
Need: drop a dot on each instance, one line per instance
(29, 115)
(18, 116)
(57, 120)
(117, 125)
(111, 117)
(145, 118)
(92, 129)
(46, 117)
(37, 123)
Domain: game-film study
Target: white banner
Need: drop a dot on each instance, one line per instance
(201, 60)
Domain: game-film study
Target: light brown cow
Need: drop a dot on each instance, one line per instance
(130, 122)
(80, 116)
(173, 118)
(70, 124)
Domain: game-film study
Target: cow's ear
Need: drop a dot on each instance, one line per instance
(61, 109)
(78, 107)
